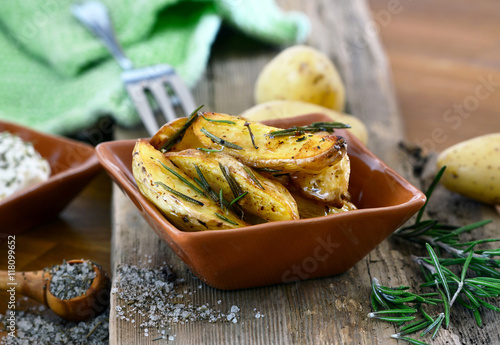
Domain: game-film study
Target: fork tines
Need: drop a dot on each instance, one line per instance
(157, 80)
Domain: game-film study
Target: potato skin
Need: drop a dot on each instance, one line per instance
(272, 204)
(189, 140)
(473, 168)
(329, 186)
(183, 214)
(304, 74)
(309, 208)
(283, 153)
(281, 109)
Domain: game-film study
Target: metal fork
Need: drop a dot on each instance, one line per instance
(155, 79)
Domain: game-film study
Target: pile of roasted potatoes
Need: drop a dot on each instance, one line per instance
(214, 171)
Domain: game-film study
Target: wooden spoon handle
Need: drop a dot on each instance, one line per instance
(4, 280)
(31, 284)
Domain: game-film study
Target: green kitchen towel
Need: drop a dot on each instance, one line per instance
(56, 77)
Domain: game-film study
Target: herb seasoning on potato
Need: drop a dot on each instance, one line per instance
(212, 171)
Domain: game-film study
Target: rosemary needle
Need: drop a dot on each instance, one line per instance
(237, 199)
(252, 137)
(225, 218)
(180, 177)
(177, 136)
(253, 177)
(220, 121)
(220, 141)
(179, 194)
(210, 150)
(313, 127)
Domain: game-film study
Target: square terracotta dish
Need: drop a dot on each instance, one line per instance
(73, 165)
(283, 251)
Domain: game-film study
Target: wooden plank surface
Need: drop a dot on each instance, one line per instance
(440, 51)
(323, 311)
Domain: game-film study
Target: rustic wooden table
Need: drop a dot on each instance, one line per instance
(438, 54)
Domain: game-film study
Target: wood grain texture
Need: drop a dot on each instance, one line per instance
(323, 311)
(441, 52)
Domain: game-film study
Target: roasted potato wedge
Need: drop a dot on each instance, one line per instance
(186, 141)
(267, 199)
(309, 208)
(329, 186)
(309, 153)
(148, 167)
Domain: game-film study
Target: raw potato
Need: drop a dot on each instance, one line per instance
(286, 153)
(304, 74)
(329, 186)
(282, 109)
(183, 214)
(272, 203)
(473, 168)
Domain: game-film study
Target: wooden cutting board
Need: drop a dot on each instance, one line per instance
(323, 311)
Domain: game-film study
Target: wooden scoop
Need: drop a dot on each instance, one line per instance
(36, 284)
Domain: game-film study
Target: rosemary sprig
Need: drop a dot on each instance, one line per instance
(202, 182)
(313, 127)
(180, 177)
(235, 200)
(219, 121)
(252, 137)
(479, 276)
(210, 150)
(179, 194)
(253, 177)
(220, 141)
(225, 218)
(235, 187)
(177, 136)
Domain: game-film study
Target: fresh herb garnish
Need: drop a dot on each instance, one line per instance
(226, 219)
(210, 150)
(179, 194)
(235, 187)
(478, 278)
(253, 177)
(177, 136)
(235, 200)
(247, 124)
(220, 141)
(220, 121)
(180, 177)
(222, 202)
(313, 127)
(202, 182)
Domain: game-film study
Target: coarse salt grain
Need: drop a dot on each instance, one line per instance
(46, 329)
(78, 275)
(145, 292)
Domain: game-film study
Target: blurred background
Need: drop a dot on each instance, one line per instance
(440, 52)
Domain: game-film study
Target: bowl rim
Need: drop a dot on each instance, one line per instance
(90, 163)
(130, 187)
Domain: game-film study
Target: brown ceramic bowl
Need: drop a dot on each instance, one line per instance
(73, 165)
(283, 251)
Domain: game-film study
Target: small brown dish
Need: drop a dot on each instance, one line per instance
(283, 251)
(73, 165)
